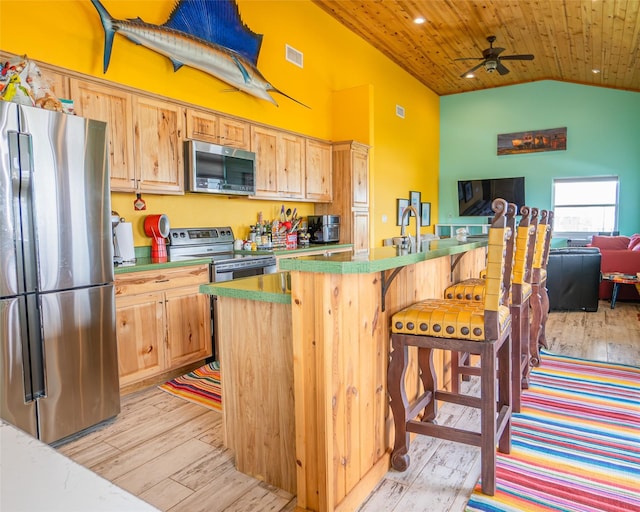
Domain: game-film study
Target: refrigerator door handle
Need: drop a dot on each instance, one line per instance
(20, 152)
(27, 215)
(16, 206)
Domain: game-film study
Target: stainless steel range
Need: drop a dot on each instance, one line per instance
(217, 243)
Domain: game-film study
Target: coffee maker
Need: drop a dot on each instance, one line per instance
(324, 229)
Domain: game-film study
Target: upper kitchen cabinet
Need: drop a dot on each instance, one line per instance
(145, 134)
(280, 161)
(318, 171)
(113, 106)
(158, 146)
(216, 129)
(358, 155)
(350, 194)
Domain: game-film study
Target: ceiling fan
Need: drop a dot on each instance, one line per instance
(491, 59)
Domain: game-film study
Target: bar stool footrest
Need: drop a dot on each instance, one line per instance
(456, 398)
(443, 432)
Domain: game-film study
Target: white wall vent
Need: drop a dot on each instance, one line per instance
(294, 56)
(400, 111)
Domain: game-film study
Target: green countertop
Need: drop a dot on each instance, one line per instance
(143, 260)
(381, 258)
(301, 251)
(266, 288)
(277, 287)
(142, 264)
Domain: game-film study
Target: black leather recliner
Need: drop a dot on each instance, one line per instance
(573, 277)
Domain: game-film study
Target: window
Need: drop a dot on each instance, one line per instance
(585, 205)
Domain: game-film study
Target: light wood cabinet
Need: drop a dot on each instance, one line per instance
(188, 325)
(216, 129)
(360, 233)
(145, 137)
(140, 327)
(359, 164)
(162, 321)
(158, 146)
(350, 194)
(318, 171)
(280, 160)
(113, 106)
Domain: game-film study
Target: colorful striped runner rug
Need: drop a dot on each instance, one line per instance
(202, 386)
(576, 443)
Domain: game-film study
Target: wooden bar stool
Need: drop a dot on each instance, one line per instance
(474, 289)
(539, 296)
(479, 328)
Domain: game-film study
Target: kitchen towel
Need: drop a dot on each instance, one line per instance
(124, 241)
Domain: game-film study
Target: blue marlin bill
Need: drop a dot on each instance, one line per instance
(204, 35)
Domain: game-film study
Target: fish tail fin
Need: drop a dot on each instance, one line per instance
(109, 32)
(273, 89)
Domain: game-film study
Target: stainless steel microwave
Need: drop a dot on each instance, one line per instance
(218, 169)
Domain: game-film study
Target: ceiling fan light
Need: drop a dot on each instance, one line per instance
(491, 66)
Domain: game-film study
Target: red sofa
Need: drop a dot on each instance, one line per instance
(619, 254)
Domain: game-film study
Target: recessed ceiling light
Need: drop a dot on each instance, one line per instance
(595, 71)
(419, 20)
(469, 75)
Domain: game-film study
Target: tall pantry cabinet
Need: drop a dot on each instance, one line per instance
(350, 194)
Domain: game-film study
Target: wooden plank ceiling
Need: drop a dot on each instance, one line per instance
(569, 39)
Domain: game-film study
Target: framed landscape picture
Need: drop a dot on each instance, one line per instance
(533, 141)
(425, 214)
(401, 205)
(414, 200)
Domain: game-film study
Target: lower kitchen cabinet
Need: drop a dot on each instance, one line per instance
(188, 314)
(162, 321)
(140, 327)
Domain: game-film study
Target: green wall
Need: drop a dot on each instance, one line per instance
(603, 139)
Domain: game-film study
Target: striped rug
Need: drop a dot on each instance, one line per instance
(576, 443)
(201, 386)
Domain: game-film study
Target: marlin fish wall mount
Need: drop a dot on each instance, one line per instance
(203, 34)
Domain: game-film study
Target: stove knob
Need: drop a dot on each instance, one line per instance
(182, 235)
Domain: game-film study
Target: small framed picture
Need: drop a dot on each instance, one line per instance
(414, 200)
(425, 214)
(401, 205)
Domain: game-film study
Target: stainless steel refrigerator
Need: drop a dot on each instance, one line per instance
(58, 352)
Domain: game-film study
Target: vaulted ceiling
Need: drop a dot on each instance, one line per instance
(568, 38)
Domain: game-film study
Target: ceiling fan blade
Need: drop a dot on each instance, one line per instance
(518, 57)
(501, 68)
(472, 70)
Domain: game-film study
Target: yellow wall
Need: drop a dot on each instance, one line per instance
(352, 90)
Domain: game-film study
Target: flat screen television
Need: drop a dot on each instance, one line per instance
(475, 196)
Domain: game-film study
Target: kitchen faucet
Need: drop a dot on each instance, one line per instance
(405, 213)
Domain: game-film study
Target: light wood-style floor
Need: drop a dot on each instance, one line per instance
(169, 452)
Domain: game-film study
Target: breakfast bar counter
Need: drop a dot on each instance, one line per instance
(304, 366)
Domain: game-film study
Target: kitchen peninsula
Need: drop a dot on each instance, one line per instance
(304, 366)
